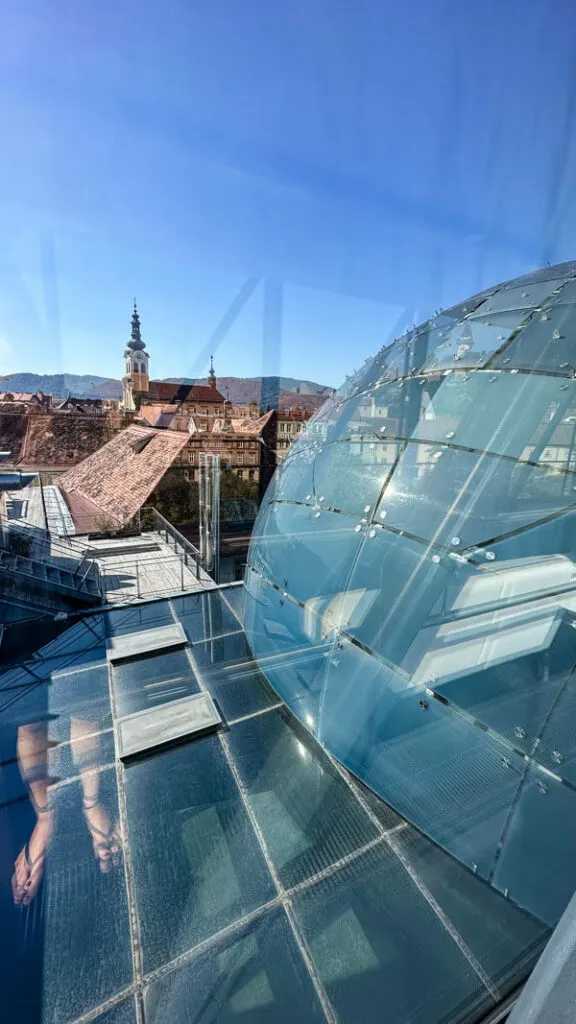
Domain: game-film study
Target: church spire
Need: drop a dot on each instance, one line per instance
(212, 374)
(136, 344)
(136, 379)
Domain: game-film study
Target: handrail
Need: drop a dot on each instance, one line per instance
(35, 533)
(142, 580)
(162, 525)
(53, 549)
(40, 579)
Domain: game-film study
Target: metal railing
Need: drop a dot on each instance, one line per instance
(150, 577)
(37, 545)
(28, 567)
(182, 546)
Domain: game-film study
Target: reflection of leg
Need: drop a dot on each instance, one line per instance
(105, 837)
(33, 761)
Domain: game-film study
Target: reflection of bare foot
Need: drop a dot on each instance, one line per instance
(105, 837)
(29, 864)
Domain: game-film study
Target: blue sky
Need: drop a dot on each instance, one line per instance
(375, 160)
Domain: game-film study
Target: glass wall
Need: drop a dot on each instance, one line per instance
(411, 583)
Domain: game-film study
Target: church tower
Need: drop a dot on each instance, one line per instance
(212, 375)
(136, 362)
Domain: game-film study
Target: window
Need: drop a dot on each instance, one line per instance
(190, 457)
(239, 473)
(240, 459)
(250, 474)
(252, 444)
(142, 368)
(203, 412)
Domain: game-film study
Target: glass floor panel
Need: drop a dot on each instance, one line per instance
(241, 875)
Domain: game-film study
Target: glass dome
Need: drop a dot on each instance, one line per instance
(411, 583)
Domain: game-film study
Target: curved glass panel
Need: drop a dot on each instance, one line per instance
(307, 552)
(545, 343)
(295, 480)
(349, 476)
(472, 341)
(521, 296)
(457, 499)
(415, 605)
(522, 416)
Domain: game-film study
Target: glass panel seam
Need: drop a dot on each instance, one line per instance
(133, 917)
(332, 869)
(96, 770)
(304, 952)
(423, 889)
(212, 940)
(256, 714)
(282, 896)
(109, 1004)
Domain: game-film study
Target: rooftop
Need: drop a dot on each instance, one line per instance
(52, 439)
(118, 478)
(164, 391)
(158, 415)
(241, 873)
(243, 425)
(136, 568)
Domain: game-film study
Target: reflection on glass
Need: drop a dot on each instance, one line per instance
(207, 614)
(257, 974)
(422, 594)
(307, 814)
(366, 934)
(197, 865)
(148, 681)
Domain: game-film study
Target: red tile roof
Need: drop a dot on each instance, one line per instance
(120, 477)
(163, 391)
(254, 427)
(24, 396)
(51, 439)
(87, 516)
(290, 401)
(61, 439)
(157, 415)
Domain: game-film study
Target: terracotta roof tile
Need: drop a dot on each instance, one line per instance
(158, 415)
(87, 516)
(291, 401)
(64, 438)
(119, 477)
(12, 434)
(253, 427)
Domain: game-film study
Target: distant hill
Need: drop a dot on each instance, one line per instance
(243, 390)
(240, 390)
(80, 386)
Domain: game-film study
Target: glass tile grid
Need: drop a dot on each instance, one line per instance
(179, 851)
(276, 845)
(204, 615)
(152, 680)
(225, 667)
(234, 597)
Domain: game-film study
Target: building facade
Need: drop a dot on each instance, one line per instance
(290, 424)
